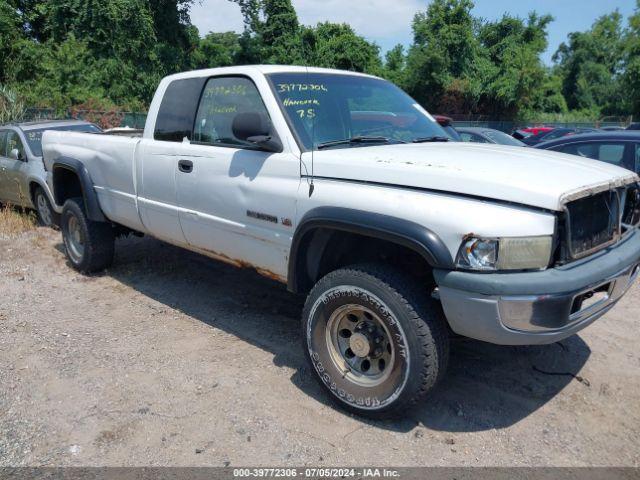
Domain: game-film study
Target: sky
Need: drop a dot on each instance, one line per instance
(388, 22)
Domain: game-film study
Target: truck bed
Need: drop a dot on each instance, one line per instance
(110, 161)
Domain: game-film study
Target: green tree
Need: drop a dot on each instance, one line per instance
(446, 64)
(394, 64)
(630, 81)
(176, 38)
(516, 74)
(58, 75)
(11, 105)
(281, 31)
(217, 50)
(590, 64)
(272, 32)
(11, 33)
(333, 45)
(273, 35)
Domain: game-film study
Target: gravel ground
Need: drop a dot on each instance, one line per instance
(173, 359)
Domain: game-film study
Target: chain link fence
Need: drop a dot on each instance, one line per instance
(509, 126)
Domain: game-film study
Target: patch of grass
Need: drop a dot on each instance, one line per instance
(15, 221)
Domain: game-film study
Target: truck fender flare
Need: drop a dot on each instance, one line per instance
(89, 195)
(396, 230)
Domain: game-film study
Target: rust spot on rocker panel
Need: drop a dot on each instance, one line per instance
(242, 264)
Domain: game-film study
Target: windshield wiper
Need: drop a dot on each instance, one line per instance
(352, 140)
(435, 138)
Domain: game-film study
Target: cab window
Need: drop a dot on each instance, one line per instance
(604, 151)
(14, 142)
(222, 99)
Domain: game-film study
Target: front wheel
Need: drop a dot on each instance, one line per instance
(377, 342)
(47, 217)
(89, 245)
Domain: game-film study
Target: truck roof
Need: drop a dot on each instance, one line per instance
(264, 69)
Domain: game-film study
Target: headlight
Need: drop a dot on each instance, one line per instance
(509, 253)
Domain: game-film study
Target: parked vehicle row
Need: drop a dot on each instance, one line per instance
(554, 133)
(488, 135)
(615, 146)
(342, 187)
(23, 180)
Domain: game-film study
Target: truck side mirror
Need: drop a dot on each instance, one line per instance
(256, 127)
(15, 154)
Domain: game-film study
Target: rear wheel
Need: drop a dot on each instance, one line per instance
(89, 245)
(47, 217)
(377, 342)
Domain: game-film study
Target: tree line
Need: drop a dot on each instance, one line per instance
(107, 54)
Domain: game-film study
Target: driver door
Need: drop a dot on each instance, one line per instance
(237, 202)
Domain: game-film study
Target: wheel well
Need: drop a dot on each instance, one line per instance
(324, 250)
(32, 191)
(66, 185)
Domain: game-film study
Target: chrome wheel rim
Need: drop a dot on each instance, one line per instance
(43, 210)
(74, 239)
(360, 345)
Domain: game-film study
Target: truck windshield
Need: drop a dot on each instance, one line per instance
(34, 137)
(329, 109)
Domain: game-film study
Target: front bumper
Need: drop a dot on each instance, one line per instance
(539, 307)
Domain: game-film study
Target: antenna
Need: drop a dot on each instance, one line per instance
(313, 145)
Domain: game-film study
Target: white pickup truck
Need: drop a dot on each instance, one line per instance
(344, 188)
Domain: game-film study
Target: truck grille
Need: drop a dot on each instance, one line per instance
(592, 223)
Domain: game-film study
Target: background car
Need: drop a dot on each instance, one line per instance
(447, 124)
(536, 130)
(555, 133)
(618, 148)
(22, 173)
(487, 135)
(521, 134)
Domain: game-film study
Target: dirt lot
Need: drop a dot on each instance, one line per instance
(173, 359)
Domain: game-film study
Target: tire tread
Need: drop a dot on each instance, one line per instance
(100, 241)
(425, 315)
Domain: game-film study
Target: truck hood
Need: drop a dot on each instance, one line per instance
(526, 176)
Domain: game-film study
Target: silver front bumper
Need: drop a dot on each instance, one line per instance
(538, 307)
(550, 313)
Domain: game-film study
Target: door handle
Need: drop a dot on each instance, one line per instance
(185, 166)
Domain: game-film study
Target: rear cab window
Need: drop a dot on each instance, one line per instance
(177, 110)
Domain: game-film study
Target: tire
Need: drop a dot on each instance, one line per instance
(47, 217)
(89, 245)
(384, 311)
